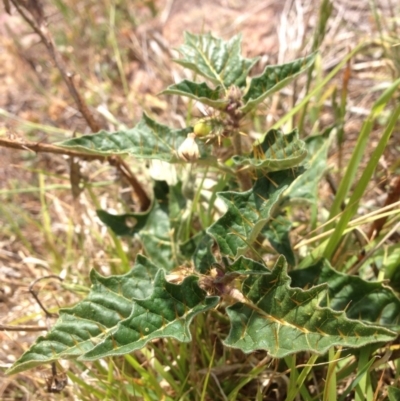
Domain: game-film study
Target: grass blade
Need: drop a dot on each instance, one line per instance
(364, 180)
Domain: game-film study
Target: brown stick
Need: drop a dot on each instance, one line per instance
(4, 327)
(39, 302)
(119, 163)
(125, 170)
(37, 23)
(67, 77)
(39, 147)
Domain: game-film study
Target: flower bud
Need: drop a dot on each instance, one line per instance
(235, 94)
(235, 102)
(189, 150)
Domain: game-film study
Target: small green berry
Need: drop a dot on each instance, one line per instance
(202, 128)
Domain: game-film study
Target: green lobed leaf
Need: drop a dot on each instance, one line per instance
(305, 188)
(276, 152)
(188, 248)
(173, 197)
(277, 232)
(166, 313)
(154, 226)
(216, 59)
(199, 92)
(284, 320)
(249, 211)
(393, 393)
(237, 270)
(127, 224)
(369, 301)
(120, 314)
(246, 266)
(147, 140)
(274, 78)
(79, 328)
(203, 257)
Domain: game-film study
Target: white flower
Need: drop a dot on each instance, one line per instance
(189, 150)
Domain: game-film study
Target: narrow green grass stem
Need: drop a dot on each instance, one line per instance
(288, 116)
(330, 389)
(117, 53)
(299, 379)
(85, 386)
(363, 368)
(362, 141)
(362, 184)
(364, 390)
(207, 378)
(110, 379)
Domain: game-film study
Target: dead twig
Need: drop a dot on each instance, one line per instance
(115, 161)
(39, 147)
(4, 327)
(37, 22)
(38, 25)
(57, 381)
(31, 290)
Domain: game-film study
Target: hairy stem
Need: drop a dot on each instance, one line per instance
(237, 143)
(243, 176)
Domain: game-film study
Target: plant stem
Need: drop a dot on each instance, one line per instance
(243, 176)
(237, 143)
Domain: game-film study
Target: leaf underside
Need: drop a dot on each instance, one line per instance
(277, 232)
(203, 257)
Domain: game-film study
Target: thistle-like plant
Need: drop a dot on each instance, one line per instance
(205, 248)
